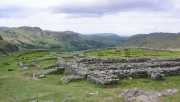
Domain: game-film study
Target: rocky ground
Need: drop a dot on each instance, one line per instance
(110, 71)
(141, 95)
(107, 71)
(41, 76)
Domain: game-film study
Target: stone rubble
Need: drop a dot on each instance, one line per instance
(69, 78)
(141, 95)
(53, 69)
(106, 71)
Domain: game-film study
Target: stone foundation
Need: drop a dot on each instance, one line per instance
(110, 70)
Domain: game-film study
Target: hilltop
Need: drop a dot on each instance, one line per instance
(35, 38)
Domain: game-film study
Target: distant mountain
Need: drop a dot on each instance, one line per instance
(154, 40)
(6, 47)
(36, 38)
(107, 39)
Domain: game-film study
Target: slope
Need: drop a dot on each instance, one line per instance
(35, 37)
(154, 40)
(6, 48)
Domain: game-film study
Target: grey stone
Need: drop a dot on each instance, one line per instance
(141, 95)
(157, 76)
(70, 78)
(103, 78)
(23, 66)
(110, 70)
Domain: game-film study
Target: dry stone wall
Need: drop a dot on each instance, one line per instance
(106, 71)
(110, 70)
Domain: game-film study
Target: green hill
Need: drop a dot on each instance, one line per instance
(154, 40)
(34, 37)
(6, 47)
(131, 52)
(107, 39)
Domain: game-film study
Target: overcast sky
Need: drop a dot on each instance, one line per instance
(125, 17)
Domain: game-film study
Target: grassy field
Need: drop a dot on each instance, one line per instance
(17, 86)
(131, 52)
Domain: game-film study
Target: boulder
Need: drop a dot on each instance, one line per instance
(157, 76)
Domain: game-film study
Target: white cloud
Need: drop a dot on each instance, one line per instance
(125, 23)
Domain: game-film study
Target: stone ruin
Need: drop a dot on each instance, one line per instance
(106, 71)
(110, 70)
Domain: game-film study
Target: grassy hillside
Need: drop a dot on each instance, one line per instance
(107, 39)
(131, 52)
(6, 48)
(16, 85)
(34, 37)
(154, 40)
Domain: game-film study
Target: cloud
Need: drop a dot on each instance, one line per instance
(93, 16)
(103, 7)
(19, 11)
(13, 11)
(23, 8)
(9, 11)
(76, 8)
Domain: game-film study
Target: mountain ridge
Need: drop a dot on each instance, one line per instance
(34, 37)
(154, 40)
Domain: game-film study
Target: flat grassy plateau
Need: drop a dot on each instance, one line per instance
(17, 86)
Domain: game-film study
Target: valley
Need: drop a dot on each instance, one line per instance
(89, 51)
(36, 38)
(48, 66)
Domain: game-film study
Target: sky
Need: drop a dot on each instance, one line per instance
(124, 17)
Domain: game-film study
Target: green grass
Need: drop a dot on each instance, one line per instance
(42, 58)
(47, 62)
(16, 86)
(131, 52)
(31, 55)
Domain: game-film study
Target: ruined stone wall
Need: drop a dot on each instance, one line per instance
(111, 70)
